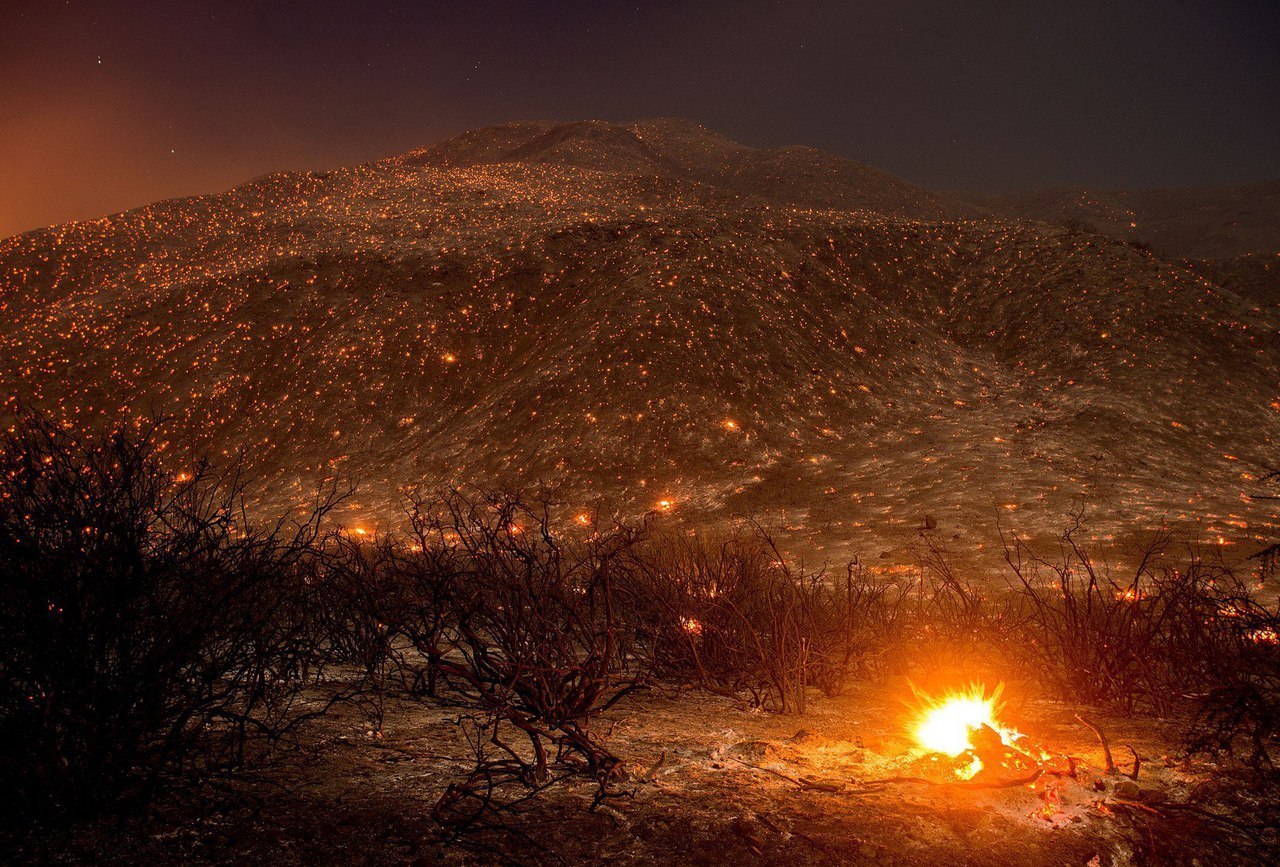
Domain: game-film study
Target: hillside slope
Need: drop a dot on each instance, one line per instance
(597, 311)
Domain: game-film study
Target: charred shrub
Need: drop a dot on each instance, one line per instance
(146, 630)
(1079, 226)
(356, 606)
(950, 623)
(736, 617)
(1238, 716)
(517, 625)
(1171, 633)
(1239, 720)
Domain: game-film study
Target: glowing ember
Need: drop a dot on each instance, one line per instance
(1131, 594)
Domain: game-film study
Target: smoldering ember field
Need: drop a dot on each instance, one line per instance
(871, 457)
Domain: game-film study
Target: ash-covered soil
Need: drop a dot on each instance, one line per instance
(710, 782)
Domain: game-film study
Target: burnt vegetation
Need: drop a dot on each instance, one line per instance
(148, 632)
(152, 636)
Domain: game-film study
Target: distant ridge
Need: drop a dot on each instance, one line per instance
(683, 150)
(1193, 222)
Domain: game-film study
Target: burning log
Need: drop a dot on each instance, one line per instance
(993, 751)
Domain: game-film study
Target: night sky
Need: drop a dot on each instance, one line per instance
(109, 105)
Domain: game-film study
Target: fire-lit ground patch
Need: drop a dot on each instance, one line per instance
(711, 783)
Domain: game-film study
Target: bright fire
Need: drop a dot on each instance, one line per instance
(946, 725)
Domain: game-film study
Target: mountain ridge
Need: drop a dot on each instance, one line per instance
(791, 175)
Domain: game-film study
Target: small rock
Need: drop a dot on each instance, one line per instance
(1127, 789)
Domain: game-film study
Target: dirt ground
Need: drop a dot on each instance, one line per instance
(711, 782)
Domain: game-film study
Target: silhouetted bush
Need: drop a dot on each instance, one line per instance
(1079, 226)
(1145, 641)
(736, 617)
(1175, 636)
(146, 628)
(1239, 717)
(956, 626)
(518, 623)
(357, 607)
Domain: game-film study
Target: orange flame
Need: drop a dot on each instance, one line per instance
(946, 725)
